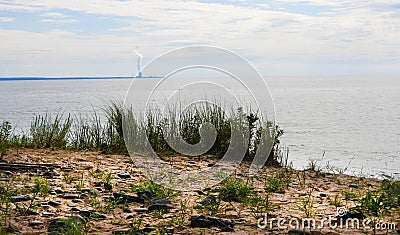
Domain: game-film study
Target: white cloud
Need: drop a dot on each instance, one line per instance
(53, 15)
(6, 19)
(58, 21)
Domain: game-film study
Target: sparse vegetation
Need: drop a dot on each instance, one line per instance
(235, 190)
(104, 131)
(278, 182)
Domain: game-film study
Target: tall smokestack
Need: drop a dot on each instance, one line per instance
(139, 63)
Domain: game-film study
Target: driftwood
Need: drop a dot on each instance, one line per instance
(26, 166)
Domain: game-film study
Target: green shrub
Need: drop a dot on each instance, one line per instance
(235, 190)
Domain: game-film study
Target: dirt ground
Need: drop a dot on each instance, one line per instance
(321, 194)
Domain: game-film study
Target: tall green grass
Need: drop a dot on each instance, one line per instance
(104, 131)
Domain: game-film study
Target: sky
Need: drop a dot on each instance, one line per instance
(281, 38)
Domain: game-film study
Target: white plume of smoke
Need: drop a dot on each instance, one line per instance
(139, 61)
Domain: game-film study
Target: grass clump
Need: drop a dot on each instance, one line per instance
(374, 205)
(235, 190)
(42, 187)
(279, 182)
(158, 190)
(391, 190)
(259, 204)
(5, 133)
(46, 132)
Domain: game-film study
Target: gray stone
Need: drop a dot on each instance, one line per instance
(140, 210)
(298, 232)
(54, 203)
(160, 204)
(70, 196)
(47, 214)
(22, 198)
(77, 200)
(35, 223)
(121, 231)
(123, 198)
(353, 186)
(124, 175)
(205, 221)
(75, 209)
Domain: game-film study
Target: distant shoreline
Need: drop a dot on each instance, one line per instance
(65, 78)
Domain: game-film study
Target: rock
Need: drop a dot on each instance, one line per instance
(70, 196)
(123, 198)
(121, 231)
(200, 192)
(77, 201)
(146, 194)
(205, 221)
(148, 229)
(86, 190)
(9, 174)
(92, 214)
(51, 192)
(160, 204)
(54, 203)
(323, 195)
(140, 210)
(50, 174)
(75, 209)
(124, 175)
(210, 199)
(353, 186)
(90, 191)
(298, 232)
(59, 191)
(58, 225)
(98, 189)
(22, 198)
(107, 186)
(66, 169)
(47, 214)
(35, 223)
(349, 215)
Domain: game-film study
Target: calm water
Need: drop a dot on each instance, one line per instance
(354, 120)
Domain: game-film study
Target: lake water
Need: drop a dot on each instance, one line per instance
(348, 122)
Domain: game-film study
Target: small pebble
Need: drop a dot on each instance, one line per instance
(54, 203)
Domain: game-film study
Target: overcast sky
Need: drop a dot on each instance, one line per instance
(283, 37)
